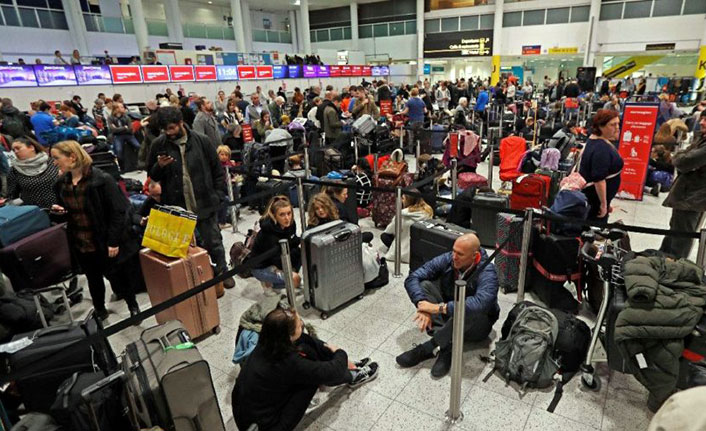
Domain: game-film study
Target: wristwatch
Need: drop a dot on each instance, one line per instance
(442, 308)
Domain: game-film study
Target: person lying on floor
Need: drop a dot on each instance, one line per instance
(280, 378)
(431, 289)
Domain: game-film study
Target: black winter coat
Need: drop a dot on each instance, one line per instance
(268, 238)
(205, 169)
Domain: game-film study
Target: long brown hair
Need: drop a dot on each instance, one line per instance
(417, 204)
(324, 201)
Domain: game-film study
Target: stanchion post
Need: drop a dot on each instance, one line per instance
(454, 414)
(701, 255)
(287, 269)
(454, 178)
(355, 148)
(307, 166)
(231, 197)
(302, 203)
(398, 234)
(418, 152)
(375, 163)
(491, 158)
(524, 256)
(402, 136)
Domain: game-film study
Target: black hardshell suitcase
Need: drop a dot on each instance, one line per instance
(54, 355)
(555, 261)
(431, 238)
(484, 220)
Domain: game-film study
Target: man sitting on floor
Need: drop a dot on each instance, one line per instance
(431, 289)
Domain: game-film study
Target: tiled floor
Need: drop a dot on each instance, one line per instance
(380, 325)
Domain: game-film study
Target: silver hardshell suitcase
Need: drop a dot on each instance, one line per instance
(364, 125)
(333, 265)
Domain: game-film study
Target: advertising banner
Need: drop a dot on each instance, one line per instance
(636, 132)
(205, 73)
(386, 107)
(126, 74)
(93, 75)
(52, 75)
(181, 73)
(322, 72)
(531, 49)
(563, 50)
(474, 43)
(155, 73)
(310, 71)
(279, 72)
(264, 72)
(246, 72)
(427, 69)
(294, 71)
(227, 73)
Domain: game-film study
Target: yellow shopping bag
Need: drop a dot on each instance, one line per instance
(169, 231)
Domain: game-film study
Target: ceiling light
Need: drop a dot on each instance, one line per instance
(210, 2)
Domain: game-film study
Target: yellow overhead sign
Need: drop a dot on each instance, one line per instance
(701, 65)
(564, 50)
(630, 65)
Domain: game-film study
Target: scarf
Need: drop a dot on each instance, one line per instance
(32, 167)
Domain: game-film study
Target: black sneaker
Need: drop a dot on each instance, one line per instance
(229, 283)
(364, 375)
(101, 314)
(361, 363)
(419, 353)
(654, 191)
(134, 311)
(443, 363)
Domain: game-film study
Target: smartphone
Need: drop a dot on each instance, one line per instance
(161, 153)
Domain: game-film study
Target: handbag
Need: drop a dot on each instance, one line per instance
(169, 230)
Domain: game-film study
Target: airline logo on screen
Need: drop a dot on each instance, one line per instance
(126, 74)
(310, 71)
(345, 71)
(155, 73)
(335, 71)
(205, 73)
(246, 72)
(295, 71)
(181, 73)
(264, 72)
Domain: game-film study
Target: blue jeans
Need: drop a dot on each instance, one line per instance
(270, 275)
(119, 142)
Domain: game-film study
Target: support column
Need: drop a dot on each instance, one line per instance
(293, 27)
(173, 15)
(247, 27)
(306, 31)
(497, 41)
(589, 56)
(420, 39)
(300, 36)
(77, 27)
(354, 26)
(140, 25)
(236, 10)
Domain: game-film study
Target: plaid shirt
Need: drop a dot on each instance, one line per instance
(75, 198)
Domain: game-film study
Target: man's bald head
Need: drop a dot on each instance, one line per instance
(465, 249)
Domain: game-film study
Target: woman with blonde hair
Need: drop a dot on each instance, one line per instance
(321, 210)
(98, 226)
(414, 210)
(277, 223)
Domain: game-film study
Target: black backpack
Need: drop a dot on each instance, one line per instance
(13, 125)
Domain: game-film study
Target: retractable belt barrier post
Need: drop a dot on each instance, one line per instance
(355, 147)
(307, 166)
(491, 158)
(232, 209)
(398, 234)
(454, 414)
(524, 257)
(701, 255)
(454, 178)
(302, 203)
(287, 269)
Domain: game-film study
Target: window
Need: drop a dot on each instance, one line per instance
(410, 27)
(692, 7)
(580, 13)
(533, 17)
(667, 7)
(512, 19)
(365, 31)
(380, 30)
(284, 37)
(558, 16)
(469, 22)
(347, 33)
(431, 26)
(322, 35)
(55, 4)
(273, 36)
(32, 3)
(312, 36)
(59, 20)
(257, 35)
(449, 24)
(45, 18)
(637, 9)
(397, 28)
(90, 21)
(336, 33)
(11, 17)
(611, 11)
(487, 22)
(228, 33)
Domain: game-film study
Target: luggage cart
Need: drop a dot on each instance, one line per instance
(609, 263)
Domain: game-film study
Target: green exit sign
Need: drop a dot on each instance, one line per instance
(437, 69)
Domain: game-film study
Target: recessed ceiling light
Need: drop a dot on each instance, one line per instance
(210, 2)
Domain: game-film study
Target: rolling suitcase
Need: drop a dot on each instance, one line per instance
(39, 260)
(431, 238)
(274, 187)
(17, 222)
(438, 134)
(364, 125)
(384, 203)
(484, 220)
(530, 191)
(54, 355)
(170, 382)
(555, 178)
(556, 271)
(616, 304)
(333, 264)
(167, 277)
(106, 162)
(507, 262)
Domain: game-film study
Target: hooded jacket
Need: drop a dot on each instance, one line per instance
(14, 122)
(408, 219)
(688, 192)
(268, 238)
(665, 302)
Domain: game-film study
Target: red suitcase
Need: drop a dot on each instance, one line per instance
(471, 179)
(530, 191)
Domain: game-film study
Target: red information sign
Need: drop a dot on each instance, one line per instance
(345, 71)
(205, 73)
(356, 70)
(367, 71)
(155, 73)
(264, 72)
(247, 133)
(128, 74)
(386, 107)
(181, 73)
(334, 71)
(246, 72)
(639, 120)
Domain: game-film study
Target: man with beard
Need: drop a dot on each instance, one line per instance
(186, 165)
(205, 121)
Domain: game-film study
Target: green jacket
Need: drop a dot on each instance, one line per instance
(689, 189)
(332, 124)
(665, 302)
(253, 317)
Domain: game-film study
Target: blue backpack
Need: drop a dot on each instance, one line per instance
(569, 203)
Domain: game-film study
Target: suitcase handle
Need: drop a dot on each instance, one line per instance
(107, 381)
(342, 236)
(50, 331)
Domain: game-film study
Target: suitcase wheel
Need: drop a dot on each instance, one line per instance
(591, 381)
(217, 330)
(324, 315)
(306, 305)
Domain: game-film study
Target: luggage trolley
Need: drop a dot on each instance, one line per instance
(609, 263)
